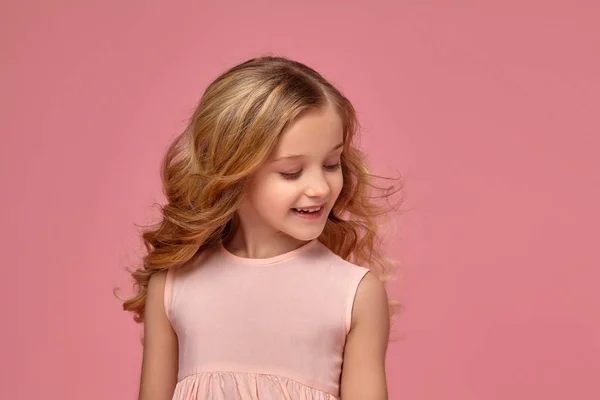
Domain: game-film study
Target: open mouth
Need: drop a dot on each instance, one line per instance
(307, 211)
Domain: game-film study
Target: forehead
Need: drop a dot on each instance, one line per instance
(315, 132)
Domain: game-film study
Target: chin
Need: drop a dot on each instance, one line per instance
(306, 236)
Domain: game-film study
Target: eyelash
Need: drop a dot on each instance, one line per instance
(295, 175)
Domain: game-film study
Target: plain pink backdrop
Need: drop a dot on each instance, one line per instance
(490, 112)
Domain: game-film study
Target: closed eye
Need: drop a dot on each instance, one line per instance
(296, 175)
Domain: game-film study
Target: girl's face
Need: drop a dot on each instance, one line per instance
(303, 172)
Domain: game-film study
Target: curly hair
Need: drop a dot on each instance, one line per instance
(232, 132)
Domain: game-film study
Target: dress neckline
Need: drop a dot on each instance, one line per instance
(269, 260)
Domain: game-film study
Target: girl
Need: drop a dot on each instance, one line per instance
(255, 283)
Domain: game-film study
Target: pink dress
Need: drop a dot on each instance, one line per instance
(271, 328)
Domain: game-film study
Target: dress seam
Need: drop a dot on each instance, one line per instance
(256, 373)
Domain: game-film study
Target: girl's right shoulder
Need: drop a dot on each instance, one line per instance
(156, 286)
(160, 288)
(157, 281)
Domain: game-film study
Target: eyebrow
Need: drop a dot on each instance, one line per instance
(300, 155)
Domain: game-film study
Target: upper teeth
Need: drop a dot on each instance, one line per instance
(311, 210)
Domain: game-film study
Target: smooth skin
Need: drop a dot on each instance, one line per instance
(160, 358)
(363, 370)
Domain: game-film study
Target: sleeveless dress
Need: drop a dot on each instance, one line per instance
(270, 328)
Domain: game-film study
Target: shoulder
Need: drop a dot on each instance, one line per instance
(156, 284)
(155, 296)
(371, 291)
(159, 291)
(371, 304)
(365, 295)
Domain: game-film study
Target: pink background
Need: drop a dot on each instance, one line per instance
(489, 111)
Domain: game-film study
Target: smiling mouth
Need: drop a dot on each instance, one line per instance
(308, 210)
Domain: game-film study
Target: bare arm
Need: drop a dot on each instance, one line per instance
(159, 364)
(363, 371)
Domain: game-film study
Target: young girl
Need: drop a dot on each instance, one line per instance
(255, 284)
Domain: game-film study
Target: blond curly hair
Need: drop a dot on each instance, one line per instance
(232, 132)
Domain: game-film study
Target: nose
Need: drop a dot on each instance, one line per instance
(318, 186)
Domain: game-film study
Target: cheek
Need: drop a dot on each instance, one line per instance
(273, 196)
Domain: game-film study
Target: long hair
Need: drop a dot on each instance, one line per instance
(232, 132)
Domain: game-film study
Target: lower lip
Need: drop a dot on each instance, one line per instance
(313, 215)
